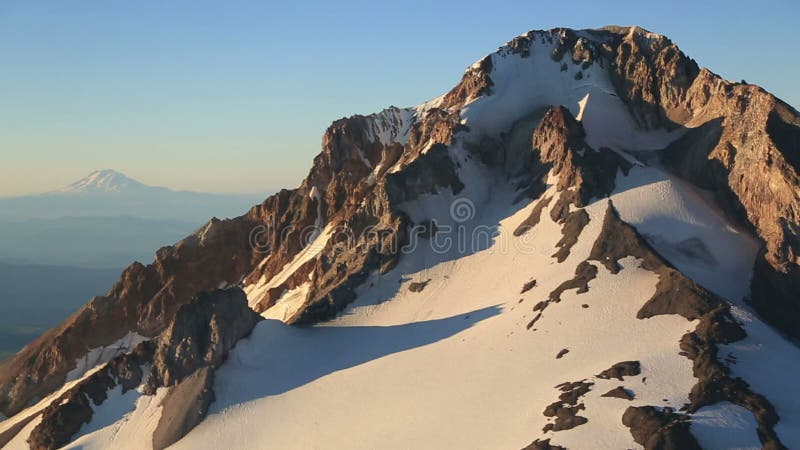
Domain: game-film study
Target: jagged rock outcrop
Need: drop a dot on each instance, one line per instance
(201, 335)
(677, 294)
(583, 172)
(65, 416)
(744, 147)
(742, 143)
(144, 300)
(182, 359)
(659, 428)
(737, 140)
(196, 343)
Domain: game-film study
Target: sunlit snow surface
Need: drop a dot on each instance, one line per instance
(454, 366)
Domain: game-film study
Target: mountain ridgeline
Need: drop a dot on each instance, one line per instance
(563, 119)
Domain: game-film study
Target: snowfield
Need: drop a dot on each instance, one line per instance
(453, 365)
(459, 361)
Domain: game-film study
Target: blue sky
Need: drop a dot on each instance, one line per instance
(234, 96)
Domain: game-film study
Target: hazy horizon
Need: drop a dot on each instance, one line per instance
(61, 188)
(235, 97)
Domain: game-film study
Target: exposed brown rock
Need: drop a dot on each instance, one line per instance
(565, 411)
(474, 83)
(533, 321)
(184, 407)
(562, 352)
(584, 173)
(533, 219)
(742, 143)
(418, 286)
(202, 334)
(65, 416)
(619, 392)
(676, 294)
(652, 75)
(620, 370)
(574, 223)
(584, 273)
(528, 286)
(659, 429)
(185, 356)
(543, 444)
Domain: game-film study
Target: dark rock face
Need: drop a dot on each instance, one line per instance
(619, 392)
(533, 219)
(620, 370)
(675, 292)
(774, 293)
(680, 295)
(528, 286)
(184, 407)
(584, 273)
(565, 410)
(559, 142)
(202, 334)
(543, 444)
(742, 143)
(66, 415)
(418, 286)
(144, 300)
(574, 223)
(659, 429)
(183, 359)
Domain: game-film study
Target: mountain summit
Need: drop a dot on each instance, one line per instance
(589, 242)
(105, 181)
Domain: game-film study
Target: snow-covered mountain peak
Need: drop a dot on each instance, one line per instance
(106, 181)
(550, 254)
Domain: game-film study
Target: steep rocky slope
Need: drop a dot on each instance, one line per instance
(511, 168)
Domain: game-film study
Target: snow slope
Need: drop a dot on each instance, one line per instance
(457, 362)
(454, 363)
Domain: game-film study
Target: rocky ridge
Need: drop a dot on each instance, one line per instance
(182, 360)
(369, 165)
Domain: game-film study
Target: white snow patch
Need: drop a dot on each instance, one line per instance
(769, 364)
(725, 426)
(391, 125)
(453, 362)
(133, 432)
(315, 195)
(289, 303)
(20, 441)
(685, 227)
(256, 291)
(364, 158)
(37, 408)
(524, 85)
(101, 355)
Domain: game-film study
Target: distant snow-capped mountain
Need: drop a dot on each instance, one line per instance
(589, 243)
(105, 181)
(105, 193)
(105, 219)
